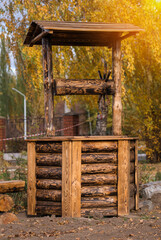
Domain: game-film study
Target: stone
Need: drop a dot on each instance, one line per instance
(8, 218)
(147, 204)
(6, 203)
(150, 189)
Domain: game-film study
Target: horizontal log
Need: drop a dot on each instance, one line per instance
(48, 184)
(99, 212)
(48, 195)
(98, 168)
(12, 186)
(49, 147)
(48, 210)
(99, 158)
(49, 159)
(99, 146)
(48, 203)
(100, 179)
(132, 156)
(49, 172)
(109, 201)
(101, 191)
(83, 87)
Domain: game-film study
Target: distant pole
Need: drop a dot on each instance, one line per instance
(25, 122)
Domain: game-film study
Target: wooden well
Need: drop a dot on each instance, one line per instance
(81, 176)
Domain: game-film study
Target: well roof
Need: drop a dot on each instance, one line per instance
(78, 33)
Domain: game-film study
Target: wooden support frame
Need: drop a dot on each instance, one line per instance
(116, 71)
(71, 179)
(48, 85)
(123, 188)
(136, 177)
(31, 185)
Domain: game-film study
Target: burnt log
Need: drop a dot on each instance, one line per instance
(99, 158)
(98, 168)
(83, 87)
(99, 146)
(48, 195)
(49, 172)
(49, 147)
(49, 159)
(99, 202)
(100, 179)
(48, 184)
(101, 191)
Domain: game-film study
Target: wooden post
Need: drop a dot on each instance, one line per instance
(136, 177)
(123, 188)
(116, 71)
(71, 179)
(48, 80)
(31, 185)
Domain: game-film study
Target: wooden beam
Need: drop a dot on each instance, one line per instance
(117, 105)
(31, 185)
(48, 95)
(83, 87)
(38, 37)
(136, 177)
(71, 179)
(123, 188)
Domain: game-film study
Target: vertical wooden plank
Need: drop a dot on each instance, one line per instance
(136, 177)
(123, 177)
(48, 80)
(76, 179)
(31, 184)
(71, 178)
(66, 179)
(116, 72)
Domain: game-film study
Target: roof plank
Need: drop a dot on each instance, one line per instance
(79, 33)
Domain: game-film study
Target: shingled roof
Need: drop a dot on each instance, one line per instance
(79, 33)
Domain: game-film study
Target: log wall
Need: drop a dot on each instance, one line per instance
(81, 177)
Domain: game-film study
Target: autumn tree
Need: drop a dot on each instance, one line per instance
(141, 58)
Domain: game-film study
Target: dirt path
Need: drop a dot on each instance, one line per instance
(141, 225)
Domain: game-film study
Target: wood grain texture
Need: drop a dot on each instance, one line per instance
(117, 105)
(123, 177)
(99, 212)
(49, 159)
(99, 146)
(71, 179)
(99, 158)
(49, 172)
(136, 177)
(98, 191)
(48, 210)
(83, 87)
(48, 86)
(49, 147)
(98, 179)
(98, 168)
(48, 195)
(31, 185)
(99, 202)
(12, 186)
(48, 184)
(66, 179)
